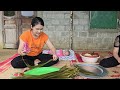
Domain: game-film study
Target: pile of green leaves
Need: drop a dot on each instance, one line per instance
(65, 72)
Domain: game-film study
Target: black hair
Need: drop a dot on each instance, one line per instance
(36, 21)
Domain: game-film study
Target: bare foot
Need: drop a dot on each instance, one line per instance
(24, 69)
(36, 62)
(118, 65)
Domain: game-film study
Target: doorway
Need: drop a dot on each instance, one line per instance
(14, 24)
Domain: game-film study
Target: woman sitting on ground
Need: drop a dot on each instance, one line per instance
(36, 39)
(115, 59)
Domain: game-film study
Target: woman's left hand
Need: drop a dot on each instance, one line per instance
(55, 57)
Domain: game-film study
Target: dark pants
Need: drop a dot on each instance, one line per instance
(19, 63)
(109, 62)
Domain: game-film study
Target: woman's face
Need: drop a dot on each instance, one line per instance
(37, 29)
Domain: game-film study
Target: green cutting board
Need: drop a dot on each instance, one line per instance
(41, 70)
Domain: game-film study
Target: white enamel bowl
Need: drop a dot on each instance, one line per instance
(90, 59)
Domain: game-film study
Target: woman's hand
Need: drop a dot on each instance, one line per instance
(55, 57)
(118, 59)
(22, 53)
(115, 54)
(21, 50)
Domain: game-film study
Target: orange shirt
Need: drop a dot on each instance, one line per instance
(35, 45)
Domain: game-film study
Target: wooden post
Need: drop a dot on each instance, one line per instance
(71, 30)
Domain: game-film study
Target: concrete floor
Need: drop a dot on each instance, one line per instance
(6, 53)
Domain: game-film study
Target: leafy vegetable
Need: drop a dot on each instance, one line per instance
(64, 73)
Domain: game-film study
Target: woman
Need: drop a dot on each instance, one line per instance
(115, 59)
(36, 39)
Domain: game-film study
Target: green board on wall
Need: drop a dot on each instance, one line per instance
(103, 19)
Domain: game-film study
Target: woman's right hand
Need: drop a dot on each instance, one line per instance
(23, 53)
